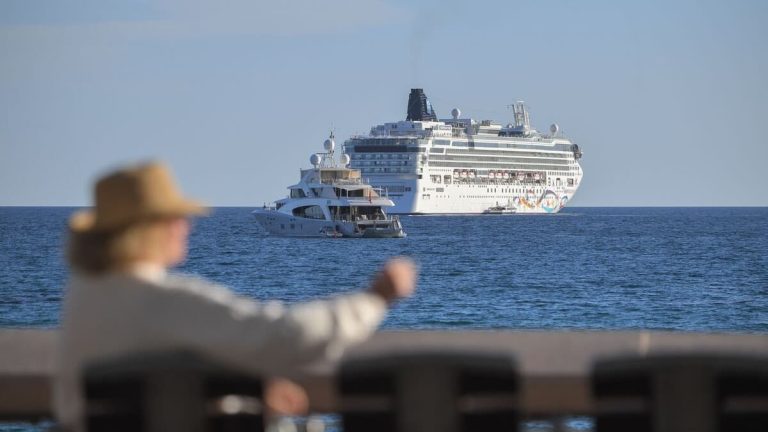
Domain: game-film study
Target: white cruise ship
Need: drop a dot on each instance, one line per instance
(462, 166)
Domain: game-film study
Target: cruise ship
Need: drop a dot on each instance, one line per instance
(463, 166)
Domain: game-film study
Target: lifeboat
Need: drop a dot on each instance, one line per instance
(505, 174)
(537, 176)
(491, 174)
(464, 174)
(471, 173)
(456, 174)
(521, 176)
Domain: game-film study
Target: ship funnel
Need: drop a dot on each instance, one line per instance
(419, 108)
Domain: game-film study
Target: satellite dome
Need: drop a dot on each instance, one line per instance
(315, 159)
(554, 128)
(329, 145)
(455, 113)
(345, 159)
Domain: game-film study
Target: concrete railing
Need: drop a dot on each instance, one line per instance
(554, 366)
(27, 364)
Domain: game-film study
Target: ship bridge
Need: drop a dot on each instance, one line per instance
(331, 175)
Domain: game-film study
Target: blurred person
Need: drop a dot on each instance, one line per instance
(120, 300)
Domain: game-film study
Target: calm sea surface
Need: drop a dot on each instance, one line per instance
(686, 269)
(585, 268)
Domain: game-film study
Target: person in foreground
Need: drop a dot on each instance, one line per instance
(120, 300)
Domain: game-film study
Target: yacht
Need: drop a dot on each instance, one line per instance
(460, 165)
(331, 200)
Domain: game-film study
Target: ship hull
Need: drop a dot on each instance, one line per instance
(284, 225)
(281, 224)
(422, 197)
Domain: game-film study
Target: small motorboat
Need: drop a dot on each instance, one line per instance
(500, 210)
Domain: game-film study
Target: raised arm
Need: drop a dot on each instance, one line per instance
(276, 339)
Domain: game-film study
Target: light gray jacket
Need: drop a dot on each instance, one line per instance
(114, 315)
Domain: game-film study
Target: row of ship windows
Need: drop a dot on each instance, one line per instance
(456, 145)
(476, 155)
(550, 182)
(495, 166)
(395, 188)
(354, 156)
(496, 153)
(497, 145)
(564, 170)
(386, 170)
(497, 159)
(363, 164)
(513, 190)
(368, 170)
(489, 190)
(381, 163)
(428, 196)
(384, 141)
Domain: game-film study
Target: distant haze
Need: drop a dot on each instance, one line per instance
(667, 99)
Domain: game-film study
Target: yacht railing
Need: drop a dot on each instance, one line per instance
(349, 182)
(363, 218)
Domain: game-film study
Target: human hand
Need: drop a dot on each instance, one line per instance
(285, 397)
(396, 280)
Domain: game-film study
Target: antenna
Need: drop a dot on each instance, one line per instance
(327, 159)
(330, 144)
(521, 115)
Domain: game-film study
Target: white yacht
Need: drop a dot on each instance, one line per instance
(463, 166)
(330, 200)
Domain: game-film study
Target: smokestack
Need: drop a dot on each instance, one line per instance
(419, 108)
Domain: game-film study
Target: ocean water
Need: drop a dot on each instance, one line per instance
(688, 269)
(683, 269)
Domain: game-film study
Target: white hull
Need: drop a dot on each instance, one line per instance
(277, 223)
(281, 224)
(424, 197)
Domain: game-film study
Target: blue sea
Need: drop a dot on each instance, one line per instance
(680, 269)
(687, 269)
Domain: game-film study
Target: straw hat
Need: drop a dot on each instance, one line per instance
(134, 194)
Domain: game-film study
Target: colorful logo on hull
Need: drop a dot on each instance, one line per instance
(549, 202)
(527, 201)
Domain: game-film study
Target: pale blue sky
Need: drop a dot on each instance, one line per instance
(667, 99)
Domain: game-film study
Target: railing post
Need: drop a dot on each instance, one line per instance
(429, 392)
(170, 392)
(668, 393)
